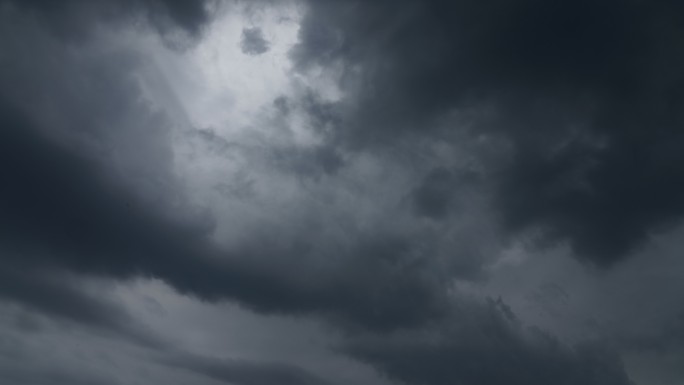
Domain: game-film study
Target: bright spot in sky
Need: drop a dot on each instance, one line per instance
(230, 137)
(223, 88)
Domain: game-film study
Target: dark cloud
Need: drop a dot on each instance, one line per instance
(60, 211)
(486, 345)
(574, 98)
(244, 372)
(436, 197)
(253, 42)
(308, 162)
(57, 376)
(73, 17)
(433, 198)
(78, 217)
(60, 296)
(584, 94)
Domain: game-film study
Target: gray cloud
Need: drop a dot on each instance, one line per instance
(253, 41)
(485, 344)
(60, 296)
(96, 221)
(583, 94)
(463, 125)
(246, 373)
(18, 376)
(72, 17)
(89, 225)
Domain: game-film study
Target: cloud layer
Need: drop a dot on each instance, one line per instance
(580, 99)
(417, 156)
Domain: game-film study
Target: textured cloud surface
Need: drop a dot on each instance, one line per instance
(330, 192)
(582, 97)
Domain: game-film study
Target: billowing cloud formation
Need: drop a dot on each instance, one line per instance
(114, 214)
(467, 349)
(412, 154)
(189, 15)
(580, 98)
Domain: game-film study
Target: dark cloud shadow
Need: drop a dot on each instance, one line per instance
(586, 96)
(253, 42)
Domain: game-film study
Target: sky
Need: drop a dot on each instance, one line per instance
(341, 192)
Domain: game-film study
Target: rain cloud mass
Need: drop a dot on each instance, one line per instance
(305, 192)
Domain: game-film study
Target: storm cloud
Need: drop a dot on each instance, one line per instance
(400, 180)
(583, 95)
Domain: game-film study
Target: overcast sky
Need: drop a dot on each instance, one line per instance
(341, 192)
